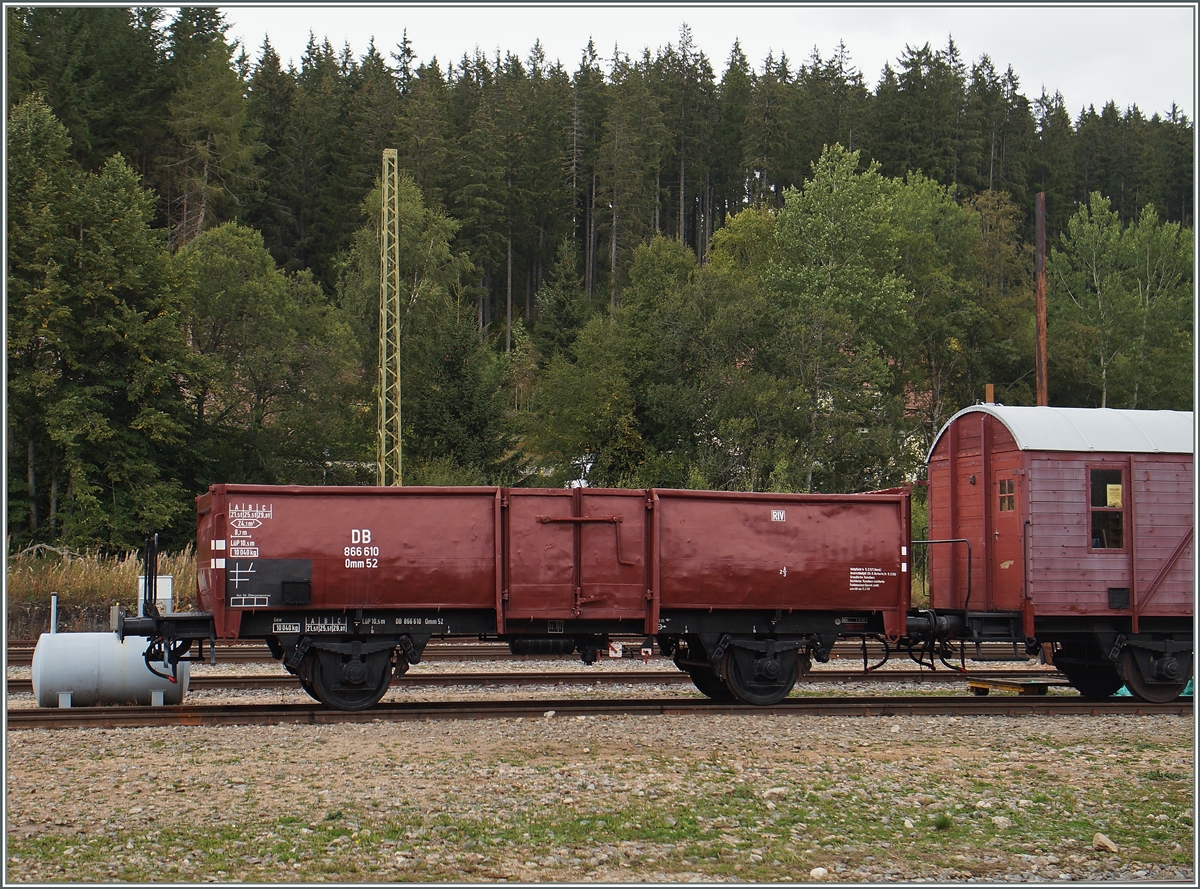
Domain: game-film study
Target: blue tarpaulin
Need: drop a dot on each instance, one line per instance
(1187, 691)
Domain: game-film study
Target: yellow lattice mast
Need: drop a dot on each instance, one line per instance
(390, 464)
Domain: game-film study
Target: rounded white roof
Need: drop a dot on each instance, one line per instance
(1104, 430)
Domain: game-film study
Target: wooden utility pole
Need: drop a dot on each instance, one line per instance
(390, 462)
(1043, 386)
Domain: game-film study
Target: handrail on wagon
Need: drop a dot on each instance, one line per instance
(967, 602)
(614, 520)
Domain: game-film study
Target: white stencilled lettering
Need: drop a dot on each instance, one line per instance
(251, 511)
(249, 601)
(869, 578)
(325, 625)
(240, 575)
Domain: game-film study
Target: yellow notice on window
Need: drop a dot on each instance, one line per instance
(1114, 496)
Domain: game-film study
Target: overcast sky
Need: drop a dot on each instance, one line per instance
(1131, 53)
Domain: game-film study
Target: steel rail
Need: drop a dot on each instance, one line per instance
(427, 680)
(314, 714)
(599, 676)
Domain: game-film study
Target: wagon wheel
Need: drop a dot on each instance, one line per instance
(1145, 690)
(305, 680)
(760, 680)
(1089, 673)
(1092, 682)
(710, 686)
(351, 682)
(308, 687)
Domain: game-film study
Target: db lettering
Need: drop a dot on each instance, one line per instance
(360, 535)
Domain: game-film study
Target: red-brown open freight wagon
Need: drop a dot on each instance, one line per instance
(348, 584)
(1077, 526)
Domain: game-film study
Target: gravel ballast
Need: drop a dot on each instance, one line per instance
(607, 798)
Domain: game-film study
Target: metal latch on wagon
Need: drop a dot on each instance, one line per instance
(614, 520)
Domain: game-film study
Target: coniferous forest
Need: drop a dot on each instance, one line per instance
(653, 268)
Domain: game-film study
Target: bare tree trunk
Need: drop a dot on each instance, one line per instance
(591, 239)
(31, 478)
(574, 145)
(682, 199)
(587, 244)
(1141, 362)
(657, 203)
(612, 299)
(508, 322)
(595, 234)
(992, 163)
(489, 306)
(539, 266)
(180, 232)
(203, 190)
(479, 307)
(53, 503)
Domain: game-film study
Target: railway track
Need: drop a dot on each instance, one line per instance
(599, 676)
(305, 714)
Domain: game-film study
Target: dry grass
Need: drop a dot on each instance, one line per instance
(88, 585)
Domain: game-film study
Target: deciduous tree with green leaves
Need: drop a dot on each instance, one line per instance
(1121, 305)
(275, 396)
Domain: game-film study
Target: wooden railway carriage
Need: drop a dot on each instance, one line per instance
(1071, 527)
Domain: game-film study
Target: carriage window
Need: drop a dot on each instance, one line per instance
(1008, 495)
(1107, 509)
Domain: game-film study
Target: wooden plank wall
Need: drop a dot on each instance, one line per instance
(1066, 578)
(963, 518)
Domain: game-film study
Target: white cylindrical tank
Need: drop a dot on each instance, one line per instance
(97, 669)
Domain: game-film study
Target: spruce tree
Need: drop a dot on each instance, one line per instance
(95, 350)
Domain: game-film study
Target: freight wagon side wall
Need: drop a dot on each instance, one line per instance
(340, 548)
(1070, 575)
(846, 553)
